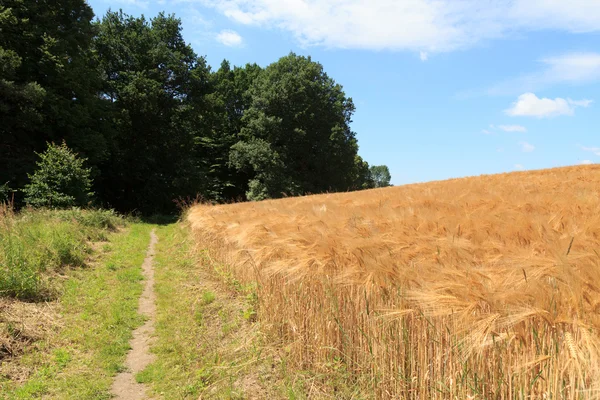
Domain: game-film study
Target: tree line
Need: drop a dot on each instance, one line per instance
(154, 123)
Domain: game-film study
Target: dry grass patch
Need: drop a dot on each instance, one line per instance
(22, 326)
(485, 287)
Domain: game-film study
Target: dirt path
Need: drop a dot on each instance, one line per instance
(125, 387)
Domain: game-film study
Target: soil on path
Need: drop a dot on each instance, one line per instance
(125, 387)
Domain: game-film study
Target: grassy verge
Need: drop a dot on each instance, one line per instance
(92, 322)
(35, 245)
(207, 343)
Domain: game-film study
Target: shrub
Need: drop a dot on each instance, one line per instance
(61, 181)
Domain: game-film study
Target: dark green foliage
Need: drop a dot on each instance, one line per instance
(304, 117)
(362, 174)
(20, 103)
(269, 171)
(380, 175)
(5, 193)
(60, 180)
(48, 83)
(154, 123)
(157, 87)
(228, 101)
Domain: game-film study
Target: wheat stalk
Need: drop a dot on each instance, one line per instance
(440, 290)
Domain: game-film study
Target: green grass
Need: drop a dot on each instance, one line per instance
(98, 307)
(178, 370)
(204, 344)
(35, 244)
(208, 341)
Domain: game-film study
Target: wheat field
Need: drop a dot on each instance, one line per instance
(476, 288)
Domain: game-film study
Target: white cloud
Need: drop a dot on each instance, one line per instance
(572, 67)
(512, 128)
(526, 147)
(199, 28)
(529, 105)
(574, 15)
(580, 103)
(519, 167)
(505, 128)
(416, 25)
(569, 68)
(595, 150)
(229, 38)
(586, 162)
(423, 56)
(196, 20)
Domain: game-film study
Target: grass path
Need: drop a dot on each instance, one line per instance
(197, 338)
(125, 386)
(96, 313)
(207, 344)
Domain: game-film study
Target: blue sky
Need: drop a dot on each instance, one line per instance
(444, 88)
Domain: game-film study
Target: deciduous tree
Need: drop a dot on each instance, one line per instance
(380, 175)
(157, 86)
(48, 83)
(304, 116)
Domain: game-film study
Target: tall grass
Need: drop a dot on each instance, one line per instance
(37, 244)
(484, 287)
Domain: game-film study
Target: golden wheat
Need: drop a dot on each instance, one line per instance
(483, 287)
